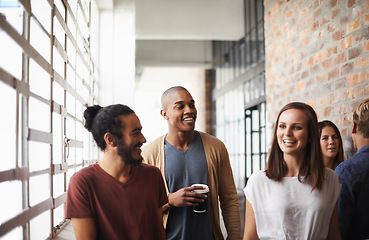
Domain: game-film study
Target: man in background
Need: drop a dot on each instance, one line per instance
(353, 174)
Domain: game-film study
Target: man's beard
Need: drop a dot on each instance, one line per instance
(125, 153)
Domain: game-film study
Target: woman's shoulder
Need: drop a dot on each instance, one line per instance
(330, 174)
(258, 176)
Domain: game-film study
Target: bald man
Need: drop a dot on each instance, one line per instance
(185, 157)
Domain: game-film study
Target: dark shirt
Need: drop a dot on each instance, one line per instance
(182, 169)
(353, 202)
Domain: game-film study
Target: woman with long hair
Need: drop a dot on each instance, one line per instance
(331, 144)
(295, 197)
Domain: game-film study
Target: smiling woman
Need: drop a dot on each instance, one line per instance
(295, 194)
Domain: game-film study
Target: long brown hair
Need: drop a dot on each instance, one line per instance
(339, 157)
(312, 167)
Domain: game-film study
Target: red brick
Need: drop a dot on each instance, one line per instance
(355, 79)
(327, 63)
(361, 91)
(300, 86)
(314, 26)
(347, 68)
(351, 3)
(344, 133)
(315, 69)
(303, 13)
(362, 62)
(309, 62)
(283, 93)
(311, 103)
(355, 25)
(322, 101)
(317, 14)
(341, 83)
(303, 34)
(319, 56)
(334, 97)
(347, 42)
(323, 77)
(332, 3)
(348, 94)
(341, 108)
(366, 19)
(331, 51)
(344, 20)
(324, 20)
(354, 53)
(366, 46)
(341, 58)
(333, 74)
(289, 14)
(327, 111)
(331, 28)
(335, 13)
(305, 74)
(339, 34)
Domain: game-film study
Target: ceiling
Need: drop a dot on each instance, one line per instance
(179, 32)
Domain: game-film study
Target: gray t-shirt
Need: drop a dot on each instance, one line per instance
(182, 169)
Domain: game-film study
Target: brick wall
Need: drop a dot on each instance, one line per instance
(317, 52)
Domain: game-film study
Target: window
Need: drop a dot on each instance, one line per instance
(255, 139)
(239, 95)
(47, 77)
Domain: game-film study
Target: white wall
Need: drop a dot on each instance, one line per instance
(117, 54)
(190, 19)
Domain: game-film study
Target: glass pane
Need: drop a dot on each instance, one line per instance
(10, 201)
(39, 80)
(39, 115)
(71, 104)
(255, 143)
(256, 162)
(42, 10)
(248, 165)
(39, 188)
(59, 33)
(255, 120)
(39, 40)
(60, 6)
(8, 127)
(12, 63)
(58, 93)
(58, 184)
(58, 63)
(40, 226)
(58, 139)
(58, 215)
(39, 156)
(13, 13)
(16, 233)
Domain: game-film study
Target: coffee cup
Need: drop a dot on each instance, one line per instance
(201, 207)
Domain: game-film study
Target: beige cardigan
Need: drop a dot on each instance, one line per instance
(220, 181)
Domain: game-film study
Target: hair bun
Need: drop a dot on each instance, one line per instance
(89, 114)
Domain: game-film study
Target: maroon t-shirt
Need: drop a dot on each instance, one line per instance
(121, 210)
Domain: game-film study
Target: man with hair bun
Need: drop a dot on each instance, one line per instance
(353, 174)
(119, 197)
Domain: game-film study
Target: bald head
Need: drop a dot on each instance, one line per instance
(167, 95)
